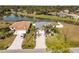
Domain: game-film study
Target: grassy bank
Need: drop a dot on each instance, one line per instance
(29, 40)
(55, 18)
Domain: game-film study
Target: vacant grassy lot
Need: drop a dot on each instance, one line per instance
(72, 33)
(68, 37)
(29, 40)
(57, 43)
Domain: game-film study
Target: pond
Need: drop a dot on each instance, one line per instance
(42, 23)
(16, 18)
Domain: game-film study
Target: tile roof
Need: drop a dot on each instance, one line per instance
(21, 25)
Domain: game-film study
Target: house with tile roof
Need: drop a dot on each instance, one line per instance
(20, 27)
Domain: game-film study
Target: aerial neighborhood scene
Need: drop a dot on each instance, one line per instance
(39, 29)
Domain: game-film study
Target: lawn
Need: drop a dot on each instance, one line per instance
(56, 18)
(57, 43)
(4, 24)
(6, 36)
(3, 31)
(4, 44)
(29, 40)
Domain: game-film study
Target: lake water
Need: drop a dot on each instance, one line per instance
(16, 18)
(41, 24)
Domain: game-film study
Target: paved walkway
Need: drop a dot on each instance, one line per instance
(40, 40)
(17, 43)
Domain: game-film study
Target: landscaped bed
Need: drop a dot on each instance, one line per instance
(29, 40)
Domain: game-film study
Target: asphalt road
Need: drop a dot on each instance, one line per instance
(25, 51)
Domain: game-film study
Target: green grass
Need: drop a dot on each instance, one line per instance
(29, 40)
(56, 43)
(74, 43)
(72, 33)
(56, 18)
(4, 24)
(4, 31)
(4, 44)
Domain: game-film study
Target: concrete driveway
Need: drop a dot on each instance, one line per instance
(40, 40)
(17, 43)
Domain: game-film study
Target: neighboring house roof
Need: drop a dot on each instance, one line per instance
(21, 25)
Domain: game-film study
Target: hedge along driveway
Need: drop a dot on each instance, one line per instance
(29, 40)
